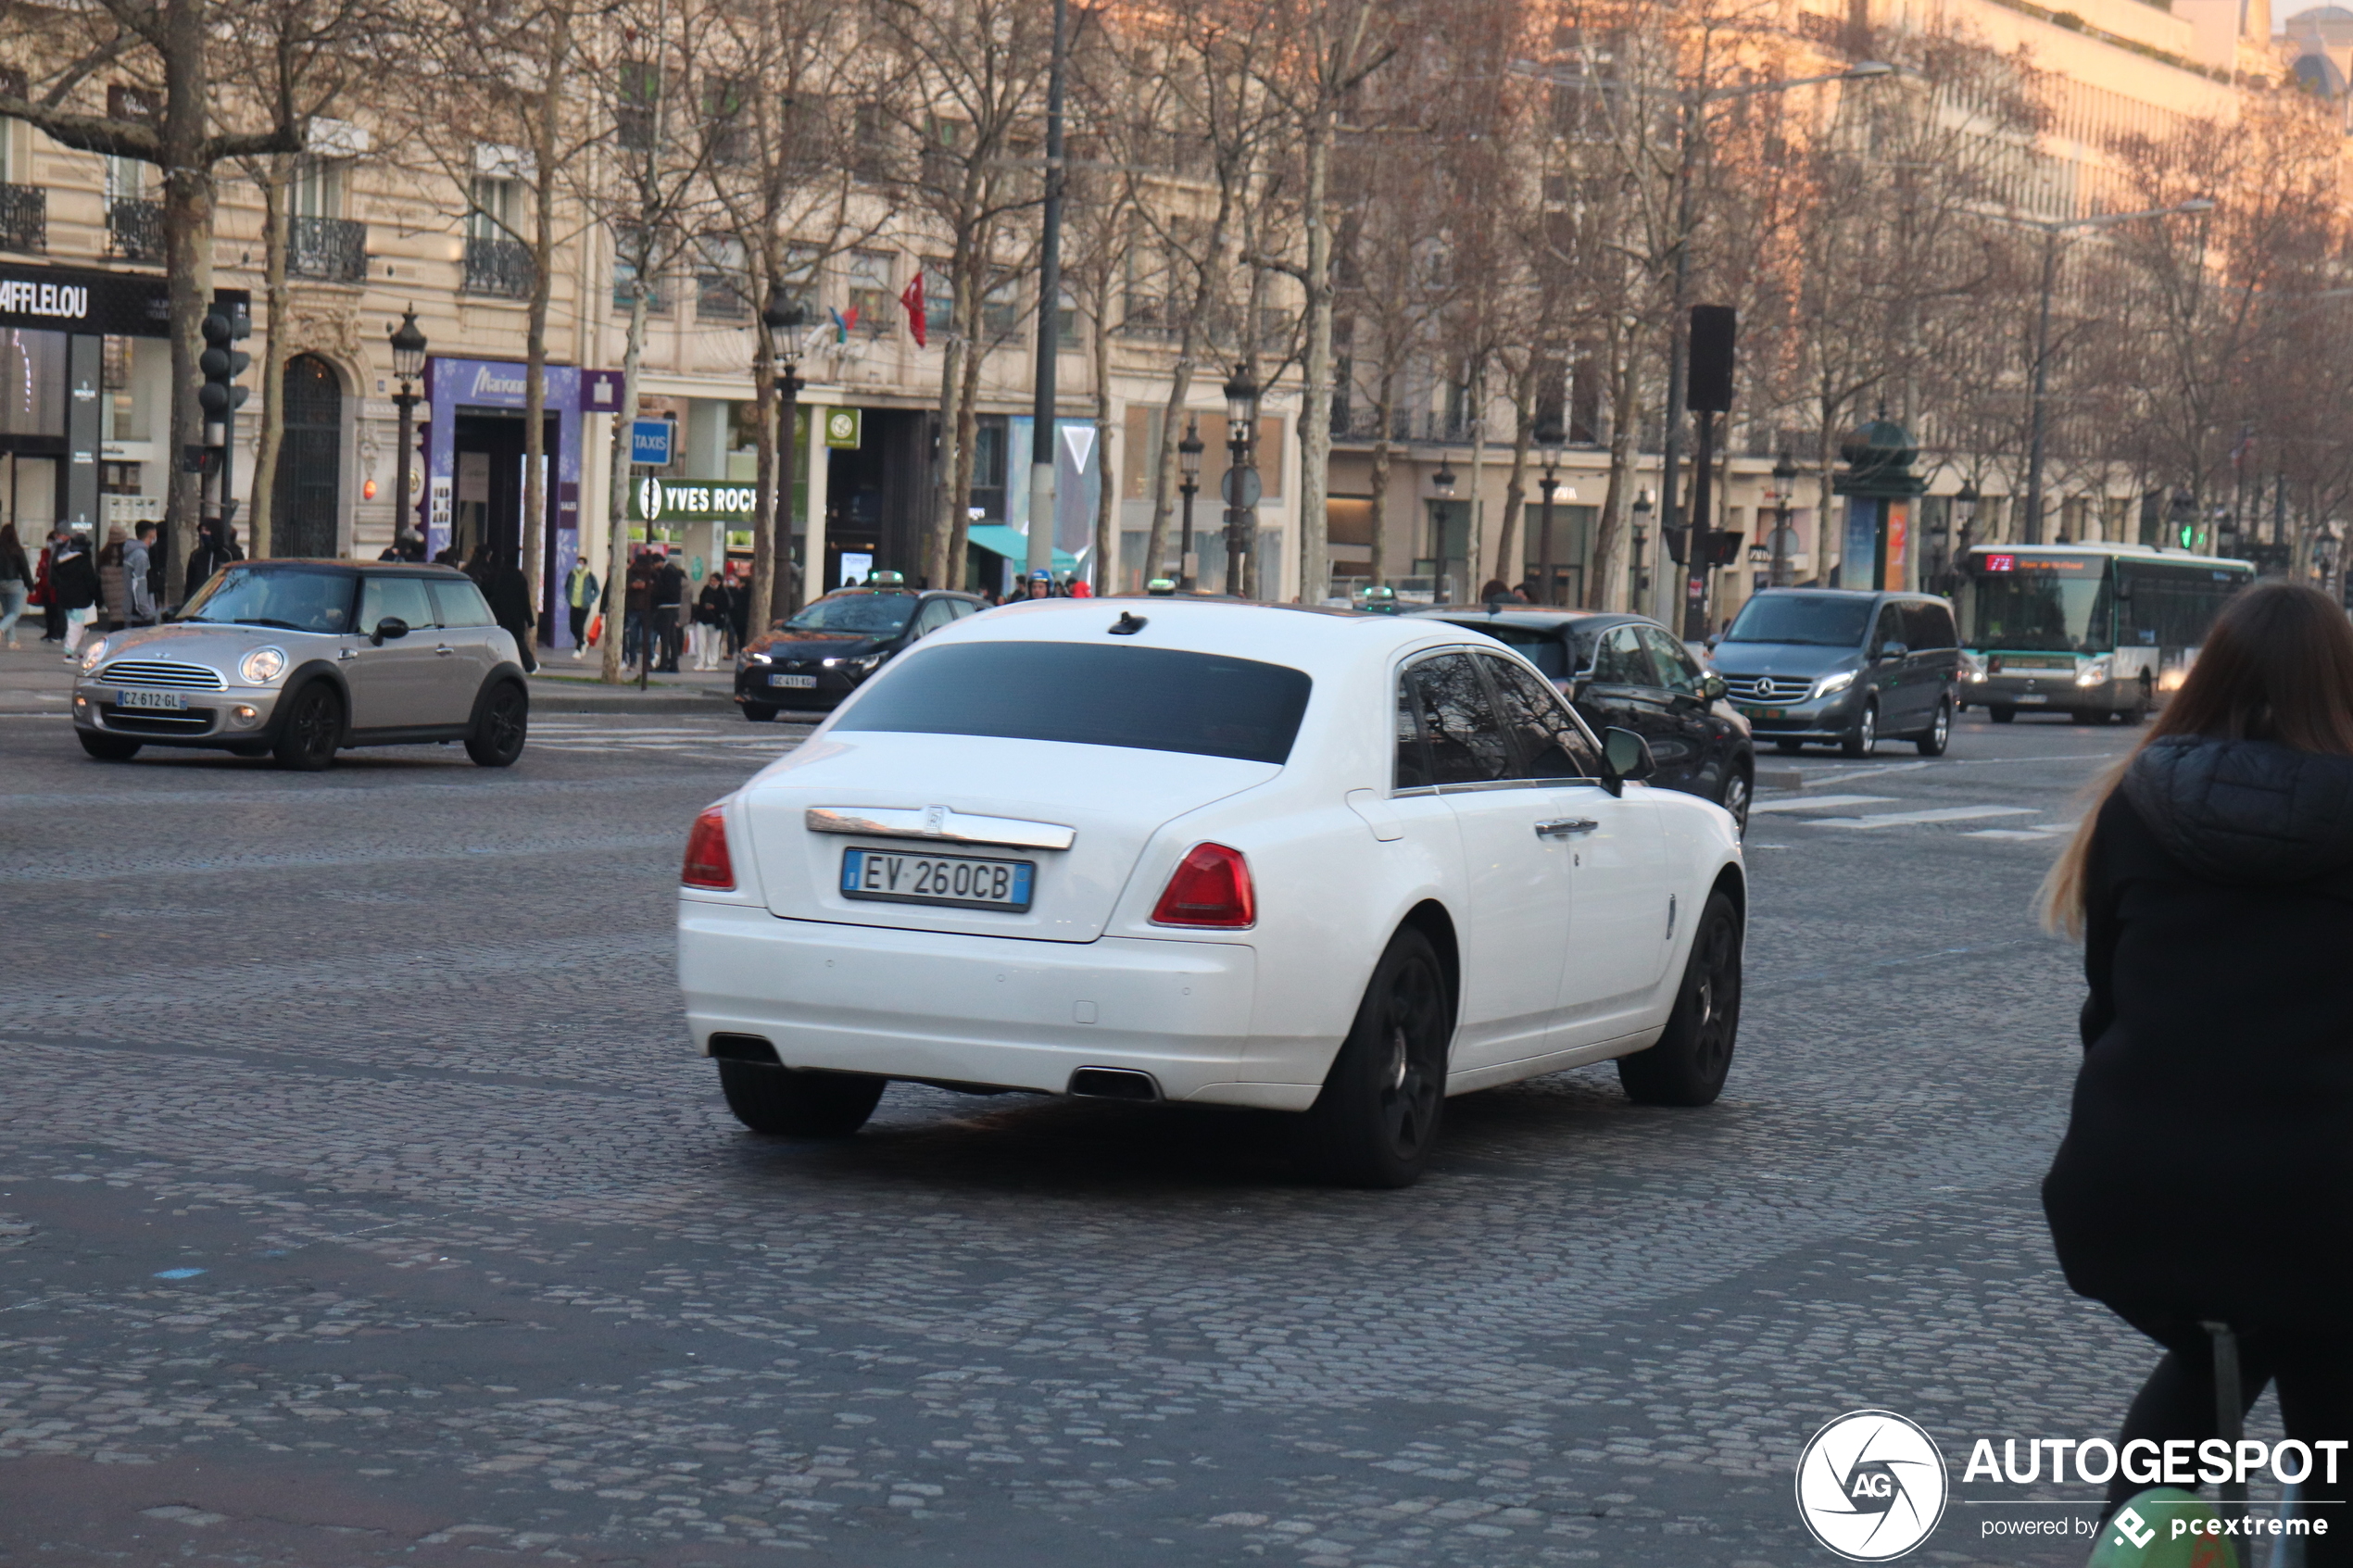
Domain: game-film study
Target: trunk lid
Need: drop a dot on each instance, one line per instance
(1113, 800)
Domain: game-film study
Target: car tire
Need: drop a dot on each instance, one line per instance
(1939, 733)
(758, 712)
(1862, 734)
(2087, 715)
(1377, 1117)
(1735, 797)
(2139, 711)
(502, 724)
(1689, 1063)
(2001, 715)
(311, 731)
(797, 1102)
(1789, 747)
(107, 748)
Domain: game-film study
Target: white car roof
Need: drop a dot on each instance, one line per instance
(1316, 641)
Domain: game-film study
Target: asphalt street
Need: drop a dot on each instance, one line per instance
(361, 1201)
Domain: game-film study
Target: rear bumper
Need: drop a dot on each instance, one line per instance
(999, 1011)
(2059, 690)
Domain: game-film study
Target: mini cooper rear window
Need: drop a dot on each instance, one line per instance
(1152, 699)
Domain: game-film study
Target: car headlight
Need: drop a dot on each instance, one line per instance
(758, 659)
(262, 666)
(1830, 683)
(867, 664)
(90, 655)
(1972, 666)
(2095, 673)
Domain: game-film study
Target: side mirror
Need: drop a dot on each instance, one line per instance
(391, 626)
(1712, 687)
(1625, 755)
(1893, 650)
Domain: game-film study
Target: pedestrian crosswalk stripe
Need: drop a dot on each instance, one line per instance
(1819, 803)
(1934, 814)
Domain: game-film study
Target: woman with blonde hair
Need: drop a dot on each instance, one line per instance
(2207, 1175)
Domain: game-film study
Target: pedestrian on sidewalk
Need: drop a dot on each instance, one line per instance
(114, 578)
(16, 583)
(73, 586)
(143, 535)
(637, 606)
(580, 602)
(670, 612)
(216, 547)
(2207, 1174)
(711, 623)
(53, 614)
(504, 585)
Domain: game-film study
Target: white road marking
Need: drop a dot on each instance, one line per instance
(2034, 834)
(1935, 814)
(1819, 803)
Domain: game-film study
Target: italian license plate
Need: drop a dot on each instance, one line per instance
(162, 702)
(903, 877)
(796, 682)
(2032, 696)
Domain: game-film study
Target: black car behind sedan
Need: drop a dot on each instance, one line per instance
(827, 651)
(1628, 672)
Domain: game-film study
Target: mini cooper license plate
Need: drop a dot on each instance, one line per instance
(163, 702)
(901, 877)
(797, 682)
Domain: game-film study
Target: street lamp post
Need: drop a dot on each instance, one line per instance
(2053, 229)
(1443, 482)
(408, 365)
(1189, 452)
(1546, 482)
(1039, 554)
(1641, 584)
(782, 320)
(1691, 148)
(1784, 487)
(1241, 487)
(1966, 499)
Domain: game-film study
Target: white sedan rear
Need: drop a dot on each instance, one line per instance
(1216, 854)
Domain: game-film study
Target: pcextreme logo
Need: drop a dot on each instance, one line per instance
(1871, 1486)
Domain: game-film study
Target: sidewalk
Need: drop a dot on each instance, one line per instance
(36, 679)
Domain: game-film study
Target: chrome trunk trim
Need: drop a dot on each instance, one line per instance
(938, 824)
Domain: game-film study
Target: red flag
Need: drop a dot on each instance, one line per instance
(914, 300)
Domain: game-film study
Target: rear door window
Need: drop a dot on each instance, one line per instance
(1551, 743)
(1466, 743)
(1412, 752)
(1538, 648)
(1086, 694)
(459, 604)
(936, 614)
(403, 597)
(1891, 626)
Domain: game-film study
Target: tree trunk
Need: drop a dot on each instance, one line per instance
(1619, 497)
(543, 278)
(1473, 541)
(951, 385)
(1507, 569)
(1172, 416)
(1382, 405)
(1316, 401)
(960, 520)
(1106, 572)
(274, 171)
(616, 594)
(187, 244)
(771, 494)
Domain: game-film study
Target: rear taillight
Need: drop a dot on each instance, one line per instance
(706, 862)
(1211, 887)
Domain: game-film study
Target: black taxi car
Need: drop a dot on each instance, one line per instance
(1630, 672)
(818, 658)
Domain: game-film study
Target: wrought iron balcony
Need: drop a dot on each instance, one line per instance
(498, 267)
(334, 249)
(24, 217)
(135, 230)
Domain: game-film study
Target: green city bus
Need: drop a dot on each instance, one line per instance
(2098, 632)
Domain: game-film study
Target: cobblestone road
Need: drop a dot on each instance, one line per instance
(360, 1202)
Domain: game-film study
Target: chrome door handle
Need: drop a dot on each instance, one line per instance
(444, 650)
(347, 653)
(1560, 827)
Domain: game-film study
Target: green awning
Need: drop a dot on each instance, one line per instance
(1013, 545)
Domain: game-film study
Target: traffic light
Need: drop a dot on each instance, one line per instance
(1723, 549)
(221, 365)
(1676, 538)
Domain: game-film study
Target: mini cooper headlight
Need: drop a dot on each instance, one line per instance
(262, 666)
(90, 655)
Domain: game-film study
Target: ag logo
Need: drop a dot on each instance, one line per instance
(1871, 1486)
(649, 498)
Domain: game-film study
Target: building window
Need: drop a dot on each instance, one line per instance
(497, 261)
(719, 279)
(939, 301)
(802, 282)
(870, 290)
(630, 247)
(1066, 334)
(638, 99)
(1000, 309)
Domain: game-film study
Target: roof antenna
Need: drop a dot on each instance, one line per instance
(1128, 625)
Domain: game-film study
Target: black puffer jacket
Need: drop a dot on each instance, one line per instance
(2208, 1168)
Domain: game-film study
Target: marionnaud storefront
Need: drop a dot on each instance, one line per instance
(86, 393)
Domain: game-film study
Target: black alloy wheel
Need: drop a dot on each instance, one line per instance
(313, 729)
(1735, 798)
(1939, 731)
(2001, 715)
(2142, 703)
(1789, 747)
(1689, 1063)
(798, 1103)
(108, 749)
(501, 728)
(1862, 734)
(1377, 1117)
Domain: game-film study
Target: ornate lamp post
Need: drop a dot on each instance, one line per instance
(1640, 587)
(1241, 487)
(1189, 452)
(1442, 484)
(1784, 487)
(1548, 439)
(1966, 500)
(408, 365)
(783, 318)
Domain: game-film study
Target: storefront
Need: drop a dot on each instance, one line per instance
(85, 397)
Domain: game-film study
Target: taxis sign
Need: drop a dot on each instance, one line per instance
(691, 500)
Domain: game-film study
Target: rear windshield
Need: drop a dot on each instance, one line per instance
(1794, 618)
(1089, 694)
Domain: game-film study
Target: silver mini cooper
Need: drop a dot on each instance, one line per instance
(298, 658)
